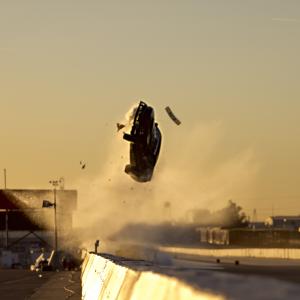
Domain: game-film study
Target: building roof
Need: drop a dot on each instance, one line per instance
(33, 198)
(285, 217)
(25, 211)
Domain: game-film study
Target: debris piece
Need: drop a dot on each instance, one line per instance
(120, 126)
(172, 116)
(167, 204)
(69, 291)
(83, 164)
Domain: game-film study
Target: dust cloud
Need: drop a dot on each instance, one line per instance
(186, 178)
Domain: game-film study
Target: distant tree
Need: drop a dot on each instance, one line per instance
(232, 216)
(229, 216)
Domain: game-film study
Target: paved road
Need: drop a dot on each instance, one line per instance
(243, 281)
(61, 286)
(285, 273)
(20, 284)
(24, 284)
(278, 269)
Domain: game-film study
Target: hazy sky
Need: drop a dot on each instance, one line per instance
(69, 70)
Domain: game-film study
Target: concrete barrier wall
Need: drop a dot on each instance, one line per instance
(280, 253)
(103, 279)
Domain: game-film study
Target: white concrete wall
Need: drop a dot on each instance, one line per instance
(103, 279)
(247, 252)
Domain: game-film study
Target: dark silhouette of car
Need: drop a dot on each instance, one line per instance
(145, 142)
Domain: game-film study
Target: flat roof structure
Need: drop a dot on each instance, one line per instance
(21, 210)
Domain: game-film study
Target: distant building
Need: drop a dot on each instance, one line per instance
(283, 222)
(214, 235)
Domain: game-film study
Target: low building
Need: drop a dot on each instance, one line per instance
(267, 237)
(26, 226)
(283, 222)
(213, 235)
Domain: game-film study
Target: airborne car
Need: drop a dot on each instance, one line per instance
(145, 141)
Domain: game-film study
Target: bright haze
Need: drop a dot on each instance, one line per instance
(229, 70)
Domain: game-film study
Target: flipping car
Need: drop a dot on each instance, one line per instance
(145, 141)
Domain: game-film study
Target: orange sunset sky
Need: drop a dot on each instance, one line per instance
(69, 70)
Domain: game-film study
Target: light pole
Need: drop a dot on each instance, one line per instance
(4, 172)
(55, 183)
(6, 213)
(47, 203)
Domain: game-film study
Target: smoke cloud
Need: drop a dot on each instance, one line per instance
(186, 177)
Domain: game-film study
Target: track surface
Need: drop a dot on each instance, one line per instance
(20, 284)
(24, 284)
(286, 271)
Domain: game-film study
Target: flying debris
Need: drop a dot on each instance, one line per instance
(145, 141)
(83, 164)
(120, 126)
(172, 116)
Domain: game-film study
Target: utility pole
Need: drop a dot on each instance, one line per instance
(55, 219)
(4, 171)
(6, 214)
(254, 217)
(6, 229)
(55, 183)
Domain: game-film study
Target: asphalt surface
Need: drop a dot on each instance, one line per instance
(281, 270)
(61, 286)
(20, 284)
(24, 284)
(287, 270)
(284, 273)
(241, 281)
(281, 277)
